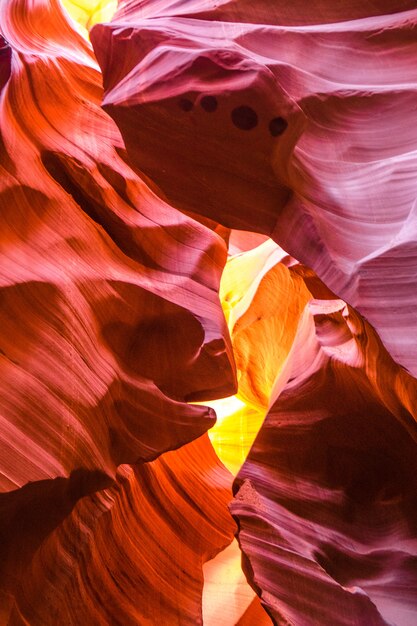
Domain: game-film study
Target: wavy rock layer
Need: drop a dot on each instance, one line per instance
(230, 122)
(326, 501)
(111, 322)
(283, 123)
(130, 555)
(110, 312)
(326, 498)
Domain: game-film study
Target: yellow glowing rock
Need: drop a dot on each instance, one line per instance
(263, 299)
(242, 275)
(235, 430)
(262, 337)
(89, 12)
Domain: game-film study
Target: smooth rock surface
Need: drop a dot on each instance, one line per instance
(309, 137)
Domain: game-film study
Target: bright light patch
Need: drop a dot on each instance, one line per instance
(235, 430)
(226, 407)
(89, 12)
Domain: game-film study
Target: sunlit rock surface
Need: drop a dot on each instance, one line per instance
(208, 208)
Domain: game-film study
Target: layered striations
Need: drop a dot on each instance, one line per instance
(285, 120)
(130, 555)
(109, 297)
(143, 283)
(326, 500)
(110, 321)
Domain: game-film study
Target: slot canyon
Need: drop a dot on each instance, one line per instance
(208, 312)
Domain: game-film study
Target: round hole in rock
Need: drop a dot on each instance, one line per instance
(244, 117)
(277, 126)
(209, 103)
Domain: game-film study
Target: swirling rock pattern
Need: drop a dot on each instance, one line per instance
(107, 330)
(134, 553)
(302, 136)
(326, 501)
(147, 184)
(96, 323)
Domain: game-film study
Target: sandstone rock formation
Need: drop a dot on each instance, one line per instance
(208, 207)
(289, 122)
